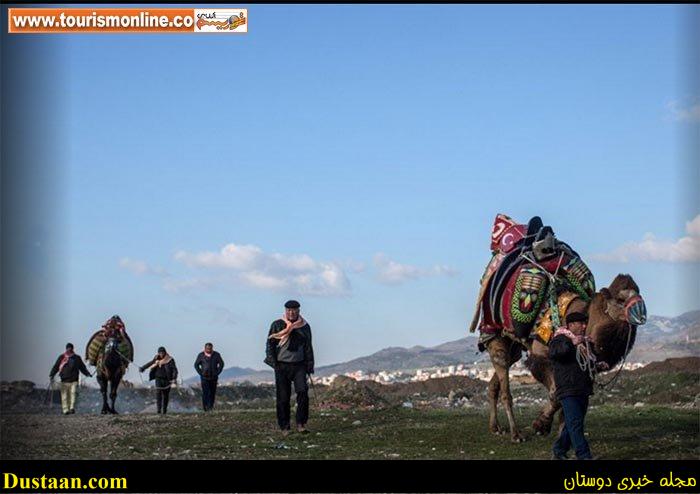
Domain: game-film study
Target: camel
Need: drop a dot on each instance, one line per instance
(614, 314)
(110, 349)
(111, 372)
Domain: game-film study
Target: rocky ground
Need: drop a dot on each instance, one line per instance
(615, 432)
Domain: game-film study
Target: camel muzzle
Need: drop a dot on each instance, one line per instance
(636, 311)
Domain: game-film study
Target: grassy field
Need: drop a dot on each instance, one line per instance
(615, 432)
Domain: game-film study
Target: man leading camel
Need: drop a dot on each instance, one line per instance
(574, 385)
(68, 366)
(164, 371)
(290, 353)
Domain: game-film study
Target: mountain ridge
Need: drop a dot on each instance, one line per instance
(662, 337)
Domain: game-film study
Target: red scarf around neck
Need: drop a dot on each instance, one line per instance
(64, 360)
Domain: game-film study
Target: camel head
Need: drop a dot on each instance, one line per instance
(112, 345)
(613, 317)
(622, 301)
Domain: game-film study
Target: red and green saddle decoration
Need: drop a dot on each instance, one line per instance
(113, 328)
(520, 284)
(505, 236)
(529, 290)
(94, 352)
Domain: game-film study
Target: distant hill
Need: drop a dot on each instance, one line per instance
(462, 351)
(664, 337)
(660, 338)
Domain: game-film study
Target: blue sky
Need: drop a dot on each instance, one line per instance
(354, 157)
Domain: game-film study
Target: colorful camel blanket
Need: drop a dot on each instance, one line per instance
(515, 288)
(506, 235)
(94, 352)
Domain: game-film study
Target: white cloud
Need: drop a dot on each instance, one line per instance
(651, 249)
(354, 266)
(393, 273)
(692, 227)
(273, 271)
(264, 281)
(232, 256)
(679, 113)
(141, 267)
(249, 265)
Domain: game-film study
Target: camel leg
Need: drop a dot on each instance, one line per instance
(112, 398)
(507, 400)
(494, 388)
(103, 389)
(113, 391)
(541, 370)
(500, 352)
(543, 423)
(499, 358)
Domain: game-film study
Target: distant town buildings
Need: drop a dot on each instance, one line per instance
(480, 370)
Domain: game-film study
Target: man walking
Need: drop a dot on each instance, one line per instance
(68, 366)
(289, 351)
(164, 371)
(209, 365)
(573, 384)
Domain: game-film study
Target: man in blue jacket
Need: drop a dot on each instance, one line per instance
(573, 384)
(209, 365)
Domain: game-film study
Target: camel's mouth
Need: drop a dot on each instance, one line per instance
(636, 311)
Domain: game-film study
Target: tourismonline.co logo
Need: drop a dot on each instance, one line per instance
(217, 20)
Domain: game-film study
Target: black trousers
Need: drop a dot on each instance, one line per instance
(285, 375)
(208, 393)
(162, 395)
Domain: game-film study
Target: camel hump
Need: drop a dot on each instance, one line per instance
(126, 347)
(96, 344)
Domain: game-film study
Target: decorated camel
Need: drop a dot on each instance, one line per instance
(110, 350)
(531, 284)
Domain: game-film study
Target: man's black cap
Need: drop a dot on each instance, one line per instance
(161, 349)
(292, 304)
(69, 345)
(576, 317)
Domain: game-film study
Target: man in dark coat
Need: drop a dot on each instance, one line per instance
(289, 351)
(164, 371)
(573, 384)
(68, 366)
(209, 365)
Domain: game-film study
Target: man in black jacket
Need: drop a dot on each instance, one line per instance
(68, 366)
(209, 365)
(573, 384)
(164, 371)
(290, 353)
